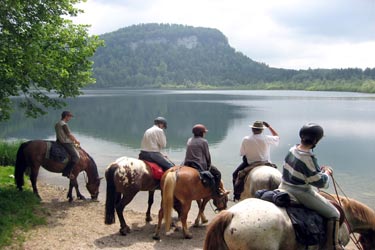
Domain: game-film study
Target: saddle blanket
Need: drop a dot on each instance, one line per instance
(309, 226)
(56, 152)
(157, 172)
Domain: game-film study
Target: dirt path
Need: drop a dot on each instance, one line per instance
(80, 226)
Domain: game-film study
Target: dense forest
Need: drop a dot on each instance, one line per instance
(178, 56)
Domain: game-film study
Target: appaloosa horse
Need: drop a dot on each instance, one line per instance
(254, 224)
(125, 178)
(181, 185)
(33, 154)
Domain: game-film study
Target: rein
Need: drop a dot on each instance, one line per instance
(352, 236)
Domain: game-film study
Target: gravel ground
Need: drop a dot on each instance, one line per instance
(80, 225)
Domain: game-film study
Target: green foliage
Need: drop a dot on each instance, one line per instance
(8, 152)
(42, 52)
(18, 210)
(178, 56)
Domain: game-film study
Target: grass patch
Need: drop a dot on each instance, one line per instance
(19, 211)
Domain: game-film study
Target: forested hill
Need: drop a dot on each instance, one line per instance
(171, 55)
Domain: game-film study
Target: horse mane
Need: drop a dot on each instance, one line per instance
(359, 210)
(93, 163)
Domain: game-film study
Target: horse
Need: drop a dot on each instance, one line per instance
(254, 224)
(261, 177)
(32, 154)
(180, 185)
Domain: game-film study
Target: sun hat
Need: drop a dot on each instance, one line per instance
(257, 125)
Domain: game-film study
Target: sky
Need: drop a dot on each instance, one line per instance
(292, 34)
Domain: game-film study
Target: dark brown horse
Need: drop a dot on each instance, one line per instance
(179, 187)
(33, 154)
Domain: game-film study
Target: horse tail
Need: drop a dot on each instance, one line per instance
(110, 195)
(21, 165)
(215, 231)
(168, 198)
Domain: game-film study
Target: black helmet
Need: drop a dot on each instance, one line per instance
(199, 129)
(161, 120)
(311, 133)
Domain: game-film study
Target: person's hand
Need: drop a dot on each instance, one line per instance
(327, 170)
(266, 124)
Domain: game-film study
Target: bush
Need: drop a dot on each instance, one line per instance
(8, 152)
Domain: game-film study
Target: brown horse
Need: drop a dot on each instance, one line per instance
(32, 154)
(254, 224)
(179, 187)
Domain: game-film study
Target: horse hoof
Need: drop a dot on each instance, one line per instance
(196, 224)
(156, 237)
(70, 199)
(82, 197)
(123, 232)
(148, 218)
(188, 236)
(204, 221)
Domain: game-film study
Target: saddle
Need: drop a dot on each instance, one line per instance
(157, 172)
(206, 177)
(309, 226)
(56, 152)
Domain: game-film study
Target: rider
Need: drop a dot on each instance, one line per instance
(198, 155)
(153, 141)
(68, 141)
(301, 173)
(255, 150)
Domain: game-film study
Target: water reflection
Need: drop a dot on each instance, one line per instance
(111, 123)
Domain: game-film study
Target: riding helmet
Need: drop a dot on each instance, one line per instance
(311, 133)
(199, 129)
(161, 120)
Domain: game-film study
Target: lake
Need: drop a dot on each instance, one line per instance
(110, 124)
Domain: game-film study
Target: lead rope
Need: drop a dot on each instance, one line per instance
(352, 236)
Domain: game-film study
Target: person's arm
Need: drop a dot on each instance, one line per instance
(273, 132)
(70, 135)
(207, 154)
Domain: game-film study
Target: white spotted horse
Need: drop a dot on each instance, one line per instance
(125, 178)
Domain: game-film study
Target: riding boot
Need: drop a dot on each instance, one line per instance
(67, 171)
(332, 242)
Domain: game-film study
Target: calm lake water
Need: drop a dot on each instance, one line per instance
(110, 124)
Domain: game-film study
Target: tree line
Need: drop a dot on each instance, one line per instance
(180, 56)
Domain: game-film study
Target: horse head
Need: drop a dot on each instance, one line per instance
(221, 200)
(93, 182)
(93, 188)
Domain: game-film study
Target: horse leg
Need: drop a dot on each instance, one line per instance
(196, 222)
(120, 206)
(33, 178)
(150, 202)
(160, 219)
(201, 205)
(79, 195)
(184, 215)
(70, 190)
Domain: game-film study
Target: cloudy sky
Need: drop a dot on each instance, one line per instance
(296, 34)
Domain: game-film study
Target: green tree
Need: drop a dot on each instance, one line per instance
(41, 52)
